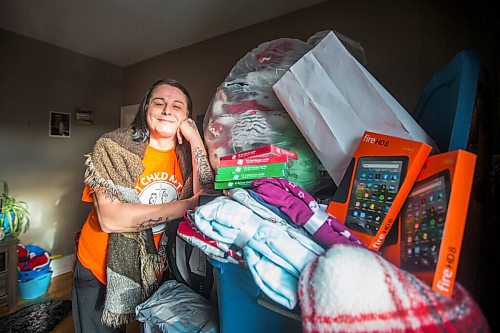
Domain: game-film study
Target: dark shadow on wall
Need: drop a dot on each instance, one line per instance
(478, 260)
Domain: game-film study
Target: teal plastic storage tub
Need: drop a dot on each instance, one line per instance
(34, 288)
(244, 309)
(446, 105)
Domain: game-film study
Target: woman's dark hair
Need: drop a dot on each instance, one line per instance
(140, 125)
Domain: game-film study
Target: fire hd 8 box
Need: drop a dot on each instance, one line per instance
(375, 185)
(432, 220)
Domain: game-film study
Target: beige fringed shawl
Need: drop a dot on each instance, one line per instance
(114, 166)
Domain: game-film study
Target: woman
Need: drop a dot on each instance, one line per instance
(161, 159)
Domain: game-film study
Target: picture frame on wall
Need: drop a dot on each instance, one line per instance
(60, 124)
(84, 117)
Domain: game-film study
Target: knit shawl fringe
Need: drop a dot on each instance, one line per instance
(116, 321)
(133, 263)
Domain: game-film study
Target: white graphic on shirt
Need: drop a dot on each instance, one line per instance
(157, 177)
(156, 193)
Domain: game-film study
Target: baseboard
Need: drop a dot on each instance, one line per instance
(62, 265)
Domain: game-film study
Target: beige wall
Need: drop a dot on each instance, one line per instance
(47, 172)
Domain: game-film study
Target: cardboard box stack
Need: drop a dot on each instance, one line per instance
(240, 169)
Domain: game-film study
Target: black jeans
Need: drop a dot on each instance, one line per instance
(88, 302)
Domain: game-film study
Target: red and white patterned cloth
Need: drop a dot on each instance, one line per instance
(352, 289)
(220, 251)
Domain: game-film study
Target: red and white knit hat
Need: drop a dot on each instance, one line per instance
(352, 289)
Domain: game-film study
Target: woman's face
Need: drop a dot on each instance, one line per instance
(167, 108)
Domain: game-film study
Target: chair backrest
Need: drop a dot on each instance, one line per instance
(446, 105)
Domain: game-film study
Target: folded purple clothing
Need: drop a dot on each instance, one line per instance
(304, 211)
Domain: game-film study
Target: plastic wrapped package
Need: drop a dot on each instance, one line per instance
(176, 308)
(245, 112)
(274, 56)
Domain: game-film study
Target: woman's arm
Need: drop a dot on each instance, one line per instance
(203, 175)
(116, 216)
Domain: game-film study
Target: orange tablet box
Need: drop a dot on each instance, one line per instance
(375, 185)
(432, 220)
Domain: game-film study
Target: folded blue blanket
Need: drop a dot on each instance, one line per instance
(275, 256)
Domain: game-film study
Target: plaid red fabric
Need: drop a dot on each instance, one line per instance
(352, 289)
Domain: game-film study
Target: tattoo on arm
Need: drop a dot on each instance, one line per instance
(205, 172)
(192, 124)
(148, 224)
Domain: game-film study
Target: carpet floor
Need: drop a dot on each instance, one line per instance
(41, 317)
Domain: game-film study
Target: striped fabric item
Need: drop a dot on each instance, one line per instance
(352, 289)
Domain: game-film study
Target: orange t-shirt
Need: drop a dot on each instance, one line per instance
(160, 182)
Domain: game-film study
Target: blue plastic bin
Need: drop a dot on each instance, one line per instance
(34, 288)
(446, 105)
(240, 304)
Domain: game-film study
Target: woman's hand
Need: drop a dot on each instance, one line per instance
(203, 174)
(187, 129)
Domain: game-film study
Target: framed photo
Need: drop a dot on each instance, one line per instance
(60, 125)
(84, 117)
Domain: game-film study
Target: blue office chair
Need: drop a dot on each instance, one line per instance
(445, 107)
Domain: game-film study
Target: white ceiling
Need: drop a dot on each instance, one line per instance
(124, 32)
